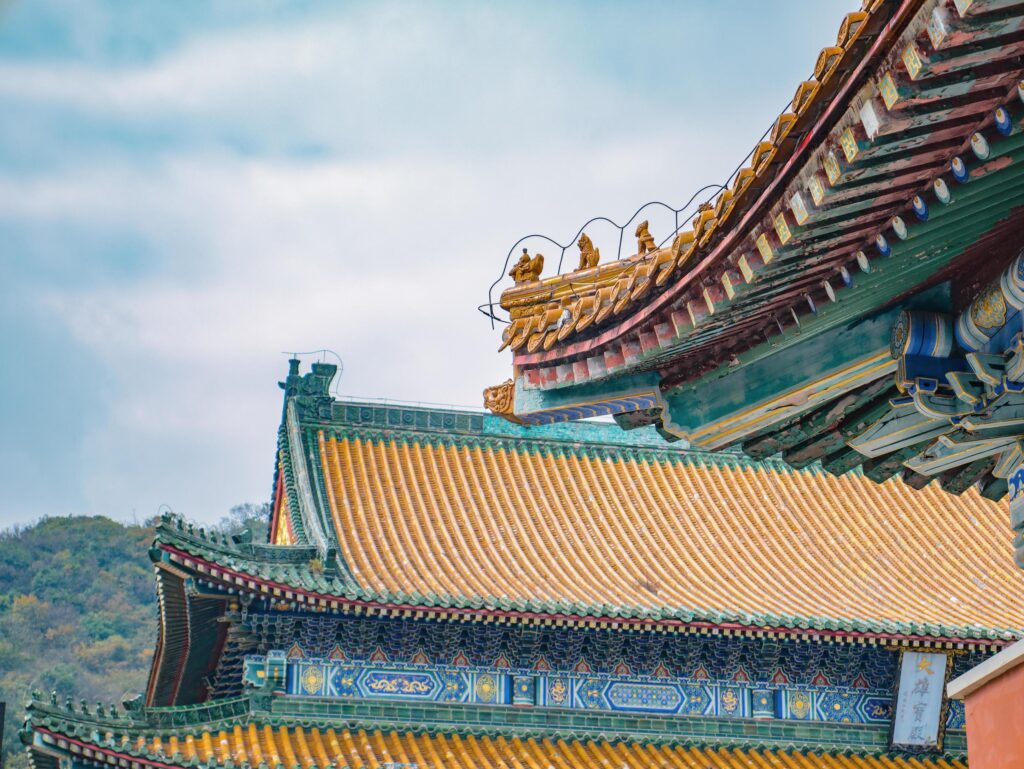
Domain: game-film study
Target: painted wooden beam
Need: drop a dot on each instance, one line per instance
(884, 467)
(957, 481)
(900, 426)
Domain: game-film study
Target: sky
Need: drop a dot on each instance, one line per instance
(189, 190)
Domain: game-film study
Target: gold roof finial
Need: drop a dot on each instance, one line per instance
(644, 239)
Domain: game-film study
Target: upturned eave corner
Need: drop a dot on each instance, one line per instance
(547, 313)
(902, 209)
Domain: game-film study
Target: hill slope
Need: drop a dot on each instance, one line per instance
(77, 613)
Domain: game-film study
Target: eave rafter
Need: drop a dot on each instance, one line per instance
(822, 427)
(190, 637)
(955, 411)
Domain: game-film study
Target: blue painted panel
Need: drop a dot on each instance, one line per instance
(644, 697)
(842, 706)
(955, 716)
(400, 684)
(699, 700)
(587, 691)
(733, 701)
(328, 678)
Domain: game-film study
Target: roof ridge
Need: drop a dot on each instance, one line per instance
(309, 397)
(153, 723)
(133, 715)
(533, 441)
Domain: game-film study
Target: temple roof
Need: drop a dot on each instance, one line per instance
(455, 509)
(231, 734)
(889, 185)
(610, 294)
(890, 103)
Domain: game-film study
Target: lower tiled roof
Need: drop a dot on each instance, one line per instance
(313, 748)
(594, 530)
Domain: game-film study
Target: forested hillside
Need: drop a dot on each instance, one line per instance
(78, 611)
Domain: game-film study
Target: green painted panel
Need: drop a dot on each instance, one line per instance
(537, 400)
(574, 724)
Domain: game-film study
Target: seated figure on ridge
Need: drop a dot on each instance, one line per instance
(526, 269)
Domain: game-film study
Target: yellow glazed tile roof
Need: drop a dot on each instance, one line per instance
(590, 532)
(319, 749)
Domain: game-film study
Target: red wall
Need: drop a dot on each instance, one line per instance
(995, 723)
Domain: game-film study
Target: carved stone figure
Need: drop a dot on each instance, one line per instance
(589, 256)
(499, 398)
(526, 269)
(644, 239)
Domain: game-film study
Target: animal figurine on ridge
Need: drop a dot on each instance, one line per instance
(644, 239)
(589, 256)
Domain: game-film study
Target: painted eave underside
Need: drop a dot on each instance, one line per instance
(460, 515)
(912, 83)
(231, 733)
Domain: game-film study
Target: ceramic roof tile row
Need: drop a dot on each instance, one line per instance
(320, 749)
(418, 517)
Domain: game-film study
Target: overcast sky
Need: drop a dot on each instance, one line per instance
(188, 189)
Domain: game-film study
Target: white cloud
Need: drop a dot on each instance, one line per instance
(383, 263)
(367, 78)
(480, 129)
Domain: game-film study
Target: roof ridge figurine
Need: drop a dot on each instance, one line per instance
(527, 270)
(589, 256)
(644, 239)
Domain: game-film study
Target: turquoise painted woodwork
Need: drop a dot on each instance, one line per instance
(618, 395)
(521, 722)
(698, 406)
(729, 379)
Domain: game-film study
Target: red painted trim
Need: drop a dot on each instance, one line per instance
(105, 751)
(578, 618)
(627, 325)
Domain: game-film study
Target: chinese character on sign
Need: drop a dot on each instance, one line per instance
(917, 717)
